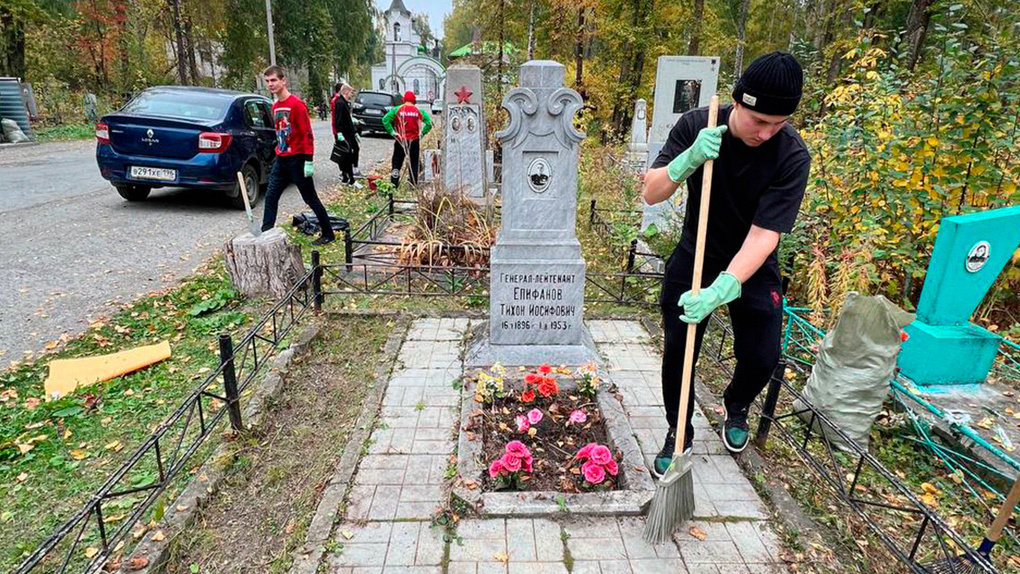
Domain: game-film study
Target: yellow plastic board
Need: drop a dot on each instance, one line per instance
(66, 375)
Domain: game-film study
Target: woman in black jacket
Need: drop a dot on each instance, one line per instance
(343, 127)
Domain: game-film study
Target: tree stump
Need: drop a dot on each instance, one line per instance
(263, 265)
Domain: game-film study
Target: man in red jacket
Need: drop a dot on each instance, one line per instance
(409, 122)
(294, 149)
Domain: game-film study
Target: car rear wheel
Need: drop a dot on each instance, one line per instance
(133, 192)
(251, 183)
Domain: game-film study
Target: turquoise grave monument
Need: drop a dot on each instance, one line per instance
(944, 347)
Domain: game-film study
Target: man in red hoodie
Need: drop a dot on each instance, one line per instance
(409, 122)
(294, 149)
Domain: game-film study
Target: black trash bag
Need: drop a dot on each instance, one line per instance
(308, 224)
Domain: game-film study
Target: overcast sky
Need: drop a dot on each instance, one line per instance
(436, 9)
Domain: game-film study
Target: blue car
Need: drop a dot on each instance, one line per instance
(191, 137)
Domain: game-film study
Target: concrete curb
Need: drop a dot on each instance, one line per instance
(210, 476)
(632, 499)
(321, 525)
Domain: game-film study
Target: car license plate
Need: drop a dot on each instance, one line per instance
(160, 174)
(372, 112)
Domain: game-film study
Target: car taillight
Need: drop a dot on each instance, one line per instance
(103, 133)
(211, 142)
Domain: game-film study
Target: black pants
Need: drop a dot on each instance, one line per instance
(398, 160)
(287, 170)
(757, 319)
(350, 160)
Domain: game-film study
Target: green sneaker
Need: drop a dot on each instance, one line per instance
(734, 432)
(665, 457)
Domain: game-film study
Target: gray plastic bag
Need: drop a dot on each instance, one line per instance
(12, 132)
(855, 362)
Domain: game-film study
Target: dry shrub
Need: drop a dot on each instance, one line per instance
(450, 230)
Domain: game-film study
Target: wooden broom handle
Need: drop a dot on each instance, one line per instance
(1005, 511)
(699, 261)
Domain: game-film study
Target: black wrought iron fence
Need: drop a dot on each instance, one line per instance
(911, 531)
(152, 467)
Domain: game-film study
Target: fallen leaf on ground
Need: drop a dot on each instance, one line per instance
(23, 477)
(501, 557)
(91, 551)
(158, 536)
(697, 533)
(115, 445)
(78, 454)
(347, 534)
(138, 563)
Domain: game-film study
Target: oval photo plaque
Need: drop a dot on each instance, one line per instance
(978, 256)
(539, 175)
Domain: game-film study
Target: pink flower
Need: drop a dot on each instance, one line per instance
(517, 449)
(495, 468)
(593, 473)
(534, 416)
(527, 465)
(611, 467)
(600, 455)
(510, 462)
(578, 416)
(522, 423)
(585, 451)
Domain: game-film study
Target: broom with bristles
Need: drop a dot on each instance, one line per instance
(674, 494)
(964, 564)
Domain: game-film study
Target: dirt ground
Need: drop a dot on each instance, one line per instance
(272, 489)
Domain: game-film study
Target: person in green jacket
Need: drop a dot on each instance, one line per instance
(407, 124)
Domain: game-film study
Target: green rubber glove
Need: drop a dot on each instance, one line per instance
(309, 169)
(724, 289)
(704, 148)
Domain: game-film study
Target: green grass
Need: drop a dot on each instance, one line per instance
(67, 132)
(53, 455)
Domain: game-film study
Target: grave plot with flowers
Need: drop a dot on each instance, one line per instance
(545, 440)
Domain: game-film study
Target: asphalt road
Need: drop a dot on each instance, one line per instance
(72, 250)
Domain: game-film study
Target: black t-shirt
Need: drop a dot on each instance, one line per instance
(761, 185)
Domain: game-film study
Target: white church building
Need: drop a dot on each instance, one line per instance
(407, 66)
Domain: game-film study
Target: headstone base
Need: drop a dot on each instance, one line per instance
(482, 353)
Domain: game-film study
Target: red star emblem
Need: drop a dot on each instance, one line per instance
(463, 95)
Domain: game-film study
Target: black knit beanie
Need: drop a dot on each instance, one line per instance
(771, 85)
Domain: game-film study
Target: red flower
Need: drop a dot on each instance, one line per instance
(612, 468)
(530, 379)
(548, 388)
(528, 396)
(545, 368)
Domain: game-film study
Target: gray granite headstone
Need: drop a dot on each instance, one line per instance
(637, 149)
(537, 274)
(681, 83)
(464, 140)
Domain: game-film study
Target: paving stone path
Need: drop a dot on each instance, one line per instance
(402, 480)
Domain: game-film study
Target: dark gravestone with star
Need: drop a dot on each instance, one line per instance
(464, 142)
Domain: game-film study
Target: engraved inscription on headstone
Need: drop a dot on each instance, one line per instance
(537, 273)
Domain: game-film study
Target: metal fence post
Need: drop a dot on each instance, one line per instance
(591, 214)
(390, 206)
(768, 409)
(317, 297)
(348, 248)
(230, 381)
(631, 254)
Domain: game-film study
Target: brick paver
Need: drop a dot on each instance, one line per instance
(402, 482)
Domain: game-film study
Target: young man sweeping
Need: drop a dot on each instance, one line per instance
(411, 124)
(294, 149)
(760, 172)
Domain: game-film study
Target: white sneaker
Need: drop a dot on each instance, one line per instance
(357, 185)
